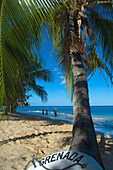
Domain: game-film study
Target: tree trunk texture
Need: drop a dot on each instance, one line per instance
(84, 138)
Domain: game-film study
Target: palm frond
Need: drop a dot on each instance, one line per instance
(39, 90)
(103, 30)
(43, 74)
(103, 7)
(21, 29)
(96, 30)
(98, 63)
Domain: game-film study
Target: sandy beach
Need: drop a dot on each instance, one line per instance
(23, 137)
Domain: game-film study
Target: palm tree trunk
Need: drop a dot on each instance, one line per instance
(84, 138)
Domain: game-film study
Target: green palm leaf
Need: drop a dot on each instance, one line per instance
(96, 30)
(97, 63)
(21, 27)
(103, 30)
(104, 7)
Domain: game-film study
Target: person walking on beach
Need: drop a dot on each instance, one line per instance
(47, 112)
(6, 113)
(43, 112)
(55, 112)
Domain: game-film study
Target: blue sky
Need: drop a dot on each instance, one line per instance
(99, 93)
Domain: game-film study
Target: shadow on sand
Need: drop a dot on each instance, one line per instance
(27, 117)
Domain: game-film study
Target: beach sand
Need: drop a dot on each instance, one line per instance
(23, 137)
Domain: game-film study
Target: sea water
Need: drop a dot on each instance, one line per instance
(102, 115)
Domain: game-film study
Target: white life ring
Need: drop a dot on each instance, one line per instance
(66, 160)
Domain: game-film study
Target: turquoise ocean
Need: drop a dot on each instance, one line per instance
(102, 115)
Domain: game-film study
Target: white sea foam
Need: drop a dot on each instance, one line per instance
(102, 118)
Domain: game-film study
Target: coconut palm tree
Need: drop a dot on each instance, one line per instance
(20, 36)
(81, 27)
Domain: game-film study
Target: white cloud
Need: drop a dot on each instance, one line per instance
(62, 77)
(63, 82)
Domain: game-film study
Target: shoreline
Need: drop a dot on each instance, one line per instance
(102, 116)
(26, 136)
(68, 119)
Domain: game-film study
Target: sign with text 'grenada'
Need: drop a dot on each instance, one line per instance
(66, 160)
